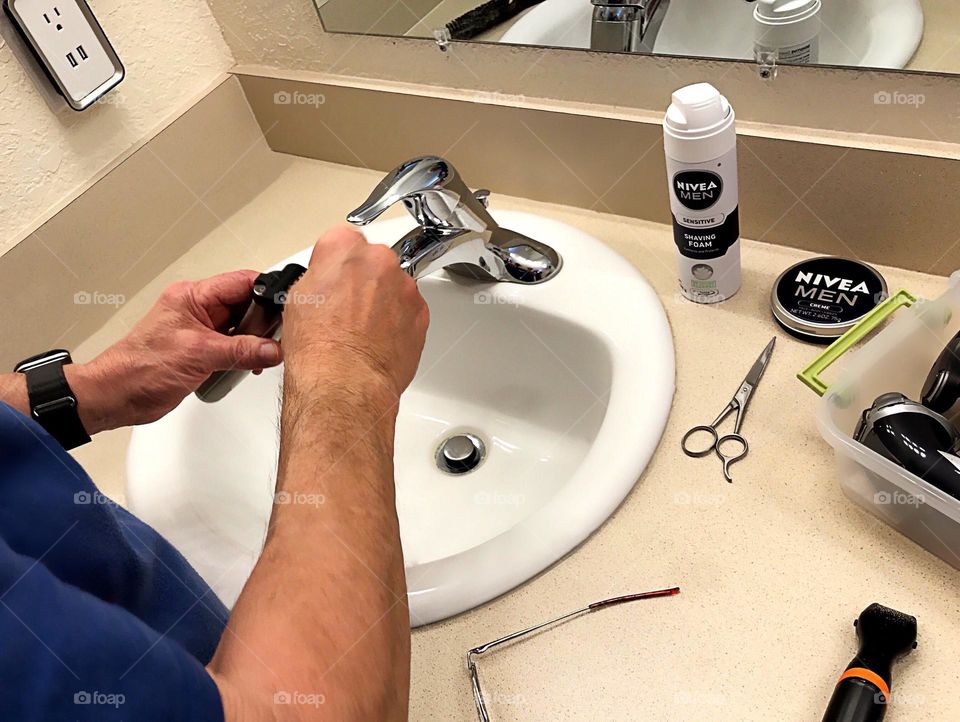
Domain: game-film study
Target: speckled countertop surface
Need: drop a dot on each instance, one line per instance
(773, 568)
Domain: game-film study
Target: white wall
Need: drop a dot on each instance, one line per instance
(172, 50)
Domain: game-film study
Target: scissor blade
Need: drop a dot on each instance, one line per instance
(760, 365)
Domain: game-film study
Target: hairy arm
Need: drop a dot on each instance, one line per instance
(321, 630)
(324, 615)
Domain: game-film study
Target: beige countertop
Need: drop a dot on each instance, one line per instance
(773, 568)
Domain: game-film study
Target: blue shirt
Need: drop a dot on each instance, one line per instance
(100, 618)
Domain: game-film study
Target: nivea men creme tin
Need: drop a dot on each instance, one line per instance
(820, 299)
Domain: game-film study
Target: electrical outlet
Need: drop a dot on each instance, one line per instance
(71, 46)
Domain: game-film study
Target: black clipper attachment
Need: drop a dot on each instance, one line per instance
(863, 690)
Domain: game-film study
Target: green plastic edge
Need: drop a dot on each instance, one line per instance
(810, 376)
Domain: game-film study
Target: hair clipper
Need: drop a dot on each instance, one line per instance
(862, 693)
(263, 318)
(912, 435)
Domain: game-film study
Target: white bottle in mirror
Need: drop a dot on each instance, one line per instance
(700, 140)
(790, 29)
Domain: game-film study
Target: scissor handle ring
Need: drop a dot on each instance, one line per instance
(698, 453)
(729, 461)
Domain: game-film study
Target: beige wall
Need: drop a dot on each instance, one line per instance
(374, 16)
(172, 49)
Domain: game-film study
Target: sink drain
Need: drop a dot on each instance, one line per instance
(460, 454)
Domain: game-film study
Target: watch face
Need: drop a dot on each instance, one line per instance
(48, 357)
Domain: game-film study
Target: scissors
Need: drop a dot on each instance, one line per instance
(739, 404)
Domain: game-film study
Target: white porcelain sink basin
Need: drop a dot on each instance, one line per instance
(866, 33)
(568, 383)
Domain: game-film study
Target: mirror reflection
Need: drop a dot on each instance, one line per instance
(890, 34)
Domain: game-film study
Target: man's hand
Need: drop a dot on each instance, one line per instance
(324, 613)
(354, 319)
(169, 353)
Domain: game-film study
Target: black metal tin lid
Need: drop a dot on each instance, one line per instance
(822, 298)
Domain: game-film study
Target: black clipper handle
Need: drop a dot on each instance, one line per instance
(263, 318)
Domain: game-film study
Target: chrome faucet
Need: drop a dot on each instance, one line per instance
(456, 231)
(626, 26)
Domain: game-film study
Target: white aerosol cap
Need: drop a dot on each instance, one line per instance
(698, 113)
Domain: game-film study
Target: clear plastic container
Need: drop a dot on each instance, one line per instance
(898, 358)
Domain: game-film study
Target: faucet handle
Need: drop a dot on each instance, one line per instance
(407, 180)
(434, 194)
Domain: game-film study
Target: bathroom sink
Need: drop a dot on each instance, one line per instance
(867, 33)
(567, 384)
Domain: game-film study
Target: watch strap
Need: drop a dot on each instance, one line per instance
(53, 404)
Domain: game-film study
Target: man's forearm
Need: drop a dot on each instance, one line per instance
(13, 392)
(324, 615)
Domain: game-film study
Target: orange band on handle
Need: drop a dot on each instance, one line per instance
(870, 676)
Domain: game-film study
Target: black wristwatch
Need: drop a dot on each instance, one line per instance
(52, 403)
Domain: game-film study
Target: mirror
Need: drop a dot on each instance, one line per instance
(889, 34)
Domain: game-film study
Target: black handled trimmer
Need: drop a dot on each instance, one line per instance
(263, 318)
(863, 690)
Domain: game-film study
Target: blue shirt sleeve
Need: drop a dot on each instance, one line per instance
(66, 655)
(100, 618)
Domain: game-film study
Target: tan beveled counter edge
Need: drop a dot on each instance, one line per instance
(163, 123)
(874, 201)
(845, 139)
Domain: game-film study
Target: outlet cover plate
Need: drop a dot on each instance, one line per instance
(71, 47)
